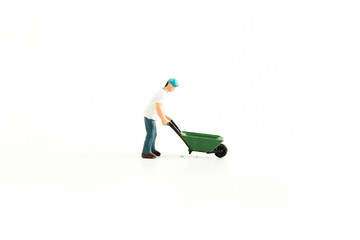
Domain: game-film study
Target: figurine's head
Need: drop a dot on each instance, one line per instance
(171, 85)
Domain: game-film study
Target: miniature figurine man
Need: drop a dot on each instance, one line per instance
(153, 108)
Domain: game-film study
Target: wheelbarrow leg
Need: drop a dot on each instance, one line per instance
(190, 151)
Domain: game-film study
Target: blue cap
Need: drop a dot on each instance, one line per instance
(173, 82)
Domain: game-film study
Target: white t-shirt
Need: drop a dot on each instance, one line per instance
(159, 97)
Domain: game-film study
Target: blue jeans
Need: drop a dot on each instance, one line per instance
(151, 133)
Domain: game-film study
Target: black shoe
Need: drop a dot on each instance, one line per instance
(148, 155)
(157, 153)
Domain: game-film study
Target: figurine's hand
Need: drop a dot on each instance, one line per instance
(168, 118)
(164, 122)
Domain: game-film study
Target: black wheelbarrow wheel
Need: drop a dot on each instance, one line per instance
(221, 151)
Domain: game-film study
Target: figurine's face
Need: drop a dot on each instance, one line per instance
(171, 88)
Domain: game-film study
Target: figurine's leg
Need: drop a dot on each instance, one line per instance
(149, 135)
(154, 138)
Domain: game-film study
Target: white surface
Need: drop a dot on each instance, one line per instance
(112, 196)
(277, 79)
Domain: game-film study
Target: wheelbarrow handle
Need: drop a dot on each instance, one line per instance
(174, 127)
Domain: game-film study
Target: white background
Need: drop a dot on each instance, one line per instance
(277, 79)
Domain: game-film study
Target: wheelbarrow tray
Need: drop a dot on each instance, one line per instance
(201, 142)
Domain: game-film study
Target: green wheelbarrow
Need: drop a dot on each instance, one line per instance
(200, 142)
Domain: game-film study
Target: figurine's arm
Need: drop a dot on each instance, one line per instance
(160, 112)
